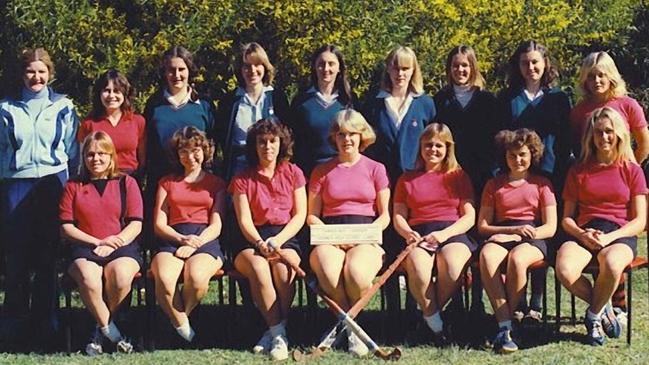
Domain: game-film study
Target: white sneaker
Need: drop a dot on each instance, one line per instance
(264, 343)
(124, 346)
(355, 345)
(279, 349)
(621, 316)
(94, 347)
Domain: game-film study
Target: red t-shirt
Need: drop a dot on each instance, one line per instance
(190, 202)
(521, 202)
(271, 200)
(349, 189)
(604, 191)
(628, 108)
(99, 214)
(127, 135)
(433, 196)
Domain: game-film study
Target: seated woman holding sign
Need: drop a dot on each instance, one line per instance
(270, 201)
(348, 189)
(605, 209)
(433, 205)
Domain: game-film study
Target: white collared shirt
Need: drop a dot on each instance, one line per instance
(531, 97)
(325, 101)
(176, 105)
(396, 114)
(249, 113)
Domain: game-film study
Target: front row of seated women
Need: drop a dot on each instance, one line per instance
(604, 210)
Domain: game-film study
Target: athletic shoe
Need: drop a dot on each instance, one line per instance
(503, 343)
(279, 348)
(533, 317)
(124, 346)
(355, 345)
(594, 331)
(610, 323)
(264, 343)
(621, 316)
(94, 347)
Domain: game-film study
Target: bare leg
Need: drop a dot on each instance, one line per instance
(491, 258)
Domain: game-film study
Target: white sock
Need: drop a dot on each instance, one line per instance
(111, 332)
(434, 321)
(277, 330)
(505, 324)
(592, 315)
(186, 331)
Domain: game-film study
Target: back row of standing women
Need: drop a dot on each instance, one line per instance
(39, 138)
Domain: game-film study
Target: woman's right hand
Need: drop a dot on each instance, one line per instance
(412, 237)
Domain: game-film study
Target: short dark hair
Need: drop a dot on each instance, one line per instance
(508, 140)
(273, 127)
(177, 52)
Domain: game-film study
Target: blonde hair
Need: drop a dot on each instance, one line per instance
(351, 121)
(443, 133)
(105, 143)
(401, 55)
(475, 77)
(603, 62)
(623, 151)
(256, 55)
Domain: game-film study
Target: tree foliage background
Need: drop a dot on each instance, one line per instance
(87, 37)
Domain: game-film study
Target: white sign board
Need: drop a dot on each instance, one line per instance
(345, 234)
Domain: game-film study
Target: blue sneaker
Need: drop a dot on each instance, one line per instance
(594, 331)
(503, 343)
(610, 323)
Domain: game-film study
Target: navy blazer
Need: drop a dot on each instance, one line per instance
(397, 148)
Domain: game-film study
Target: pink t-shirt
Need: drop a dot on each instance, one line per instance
(628, 108)
(433, 196)
(127, 136)
(604, 191)
(99, 214)
(522, 202)
(349, 189)
(190, 202)
(271, 200)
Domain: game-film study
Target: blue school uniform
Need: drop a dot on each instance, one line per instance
(396, 147)
(311, 122)
(163, 120)
(547, 115)
(274, 105)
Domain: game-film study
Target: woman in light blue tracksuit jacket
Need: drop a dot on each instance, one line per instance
(37, 149)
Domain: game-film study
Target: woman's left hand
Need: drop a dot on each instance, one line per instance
(103, 250)
(184, 252)
(112, 241)
(602, 239)
(192, 240)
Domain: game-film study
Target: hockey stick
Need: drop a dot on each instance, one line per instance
(329, 339)
(339, 312)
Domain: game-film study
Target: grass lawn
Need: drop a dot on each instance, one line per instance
(217, 347)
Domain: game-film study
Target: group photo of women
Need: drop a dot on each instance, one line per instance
(480, 182)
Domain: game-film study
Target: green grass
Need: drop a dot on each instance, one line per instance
(212, 319)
